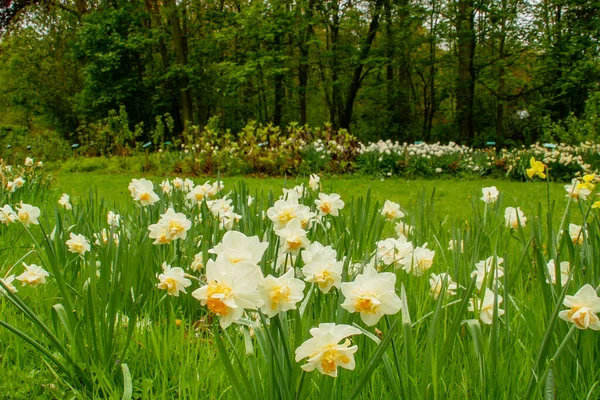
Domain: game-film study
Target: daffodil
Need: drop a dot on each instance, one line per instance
(436, 282)
(321, 267)
(372, 294)
(490, 194)
(514, 217)
(394, 251)
(28, 214)
(565, 270)
(173, 280)
(329, 204)
(64, 202)
(315, 182)
(576, 233)
(419, 261)
(8, 281)
(142, 190)
(198, 263)
(391, 211)
(486, 307)
(324, 352)
(584, 306)
(280, 294)
(230, 290)
(78, 244)
(293, 237)
(34, 275)
(171, 226)
(577, 191)
(236, 247)
(488, 267)
(7, 215)
(113, 220)
(537, 168)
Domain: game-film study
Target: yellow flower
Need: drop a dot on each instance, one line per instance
(584, 306)
(537, 168)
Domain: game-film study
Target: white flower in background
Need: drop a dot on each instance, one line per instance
(419, 261)
(78, 244)
(236, 247)
(64, 202)
(372, 295)
(296, 193)
(456, 245)
(173, 280)
(514, 217)
(283, 211)
(34, 275)
(324, 351)
(103, 237)
(7, 215)
(329, 204)
(280, 294)
(188, 184)
(199, 193)
(198, 263)
(17, 183)
(231, 289)
(576, 233)
(483, 269)
(576, 190)
(28, 214)
(228, 219)
(391, 211)
(293, 237)
(220, 207)
(178, 183)
(8, 281)
(403, 229)
(393, 251)
(490, 194)
(250, 200)
(315, 182)
(142, 190)
(113, 220)
(565, 270)
(216, 188)
(171, 226)
(321, 267)
(486, 307)
(584, 306)
(437, 284)
(28, 162)
(166, 186)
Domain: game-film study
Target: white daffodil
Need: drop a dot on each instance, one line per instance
(324, 351)
(393, 251)
(65, 202)
(372, 295)
(8, 281)
(171, 226)
(576, 233)
(28, 161)
(293, 237)
(280, 294)
(78, 244)
(315, 182)
(321, 267)
(231, 289)
(178, 183)
(28, 214)
(103, 237)
(391, 211)
(329, 204)
(486, 307)
(437, 284)
(283, 211)
(576, 190)
(236, 247)
(113, 220)
(198, 263)
(565, 270)
(483, 269)
(7, 215)
(403, 229)
(173, 280)
(490, 194)
(166, 186)
(514, 217)
(584, 306)
(419, 261)
(142, 190)
(34, 275)
(199, 193)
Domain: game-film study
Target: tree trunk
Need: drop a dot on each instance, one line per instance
(465, 87)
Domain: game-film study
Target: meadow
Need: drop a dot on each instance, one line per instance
(123, 286)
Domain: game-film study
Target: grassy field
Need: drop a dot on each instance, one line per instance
(103, 327)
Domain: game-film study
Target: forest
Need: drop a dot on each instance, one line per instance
(471, 71)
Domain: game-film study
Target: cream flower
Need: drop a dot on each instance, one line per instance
(576, 233)
(577, 190)
(329, 204)
(393, 251)
(199, 193)
(455, 244)
(28, 214)
(34, 275)
(437, 284)
(198, 263)
(490, 194)
(514, 217)
(565, 270)
(486, 307)
(283, 211)
(78, 244)
(103, 237)
(419, 260)
(173, 280)
(403, 229)
(171, 226)
(324, 351)
(18, 183)
(113, 220)
(483, 269)
(293, 237)
(315, 182)
(585, 304)
(178, 183)
(372, 295)
(321, 267)
(280, 294)
(236, 247)
(391, 211)
(230, 290)
(28, 161)
(64, 202)
(142, 190)
(166, 186)
(8, 281)
(7, 215)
